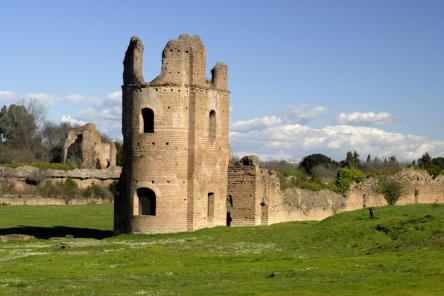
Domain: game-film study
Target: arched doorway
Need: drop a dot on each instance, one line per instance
(147, 201)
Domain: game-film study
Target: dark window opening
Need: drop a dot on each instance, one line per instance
(212, 125)
(148, 120)
(210, 213)
(229, 205)
(147, 201)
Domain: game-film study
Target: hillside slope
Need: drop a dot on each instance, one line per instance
(399, 253)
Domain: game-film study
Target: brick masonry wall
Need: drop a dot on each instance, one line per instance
(257, 199)
(180, 162)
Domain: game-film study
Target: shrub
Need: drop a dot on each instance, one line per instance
(391, 190)
(94, 191)
(433, 170)
(70, 187)
(346, 177)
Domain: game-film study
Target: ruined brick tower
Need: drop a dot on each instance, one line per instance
(175, 133)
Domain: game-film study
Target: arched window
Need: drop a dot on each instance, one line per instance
(148, 120)
(210, 212)
(212, 125)
(147, 201)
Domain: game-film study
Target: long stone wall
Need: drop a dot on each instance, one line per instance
(20, 186)
(257, 200)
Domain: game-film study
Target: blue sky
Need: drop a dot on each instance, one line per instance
(305, 76)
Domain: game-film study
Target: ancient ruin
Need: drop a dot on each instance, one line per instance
(84, 145)
(175, 134)
(177, 175)
(256, 199)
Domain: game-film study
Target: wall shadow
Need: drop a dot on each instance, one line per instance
(57, 231)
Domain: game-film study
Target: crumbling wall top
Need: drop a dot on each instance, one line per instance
(132, 63)
(250, 160)
(186, 42)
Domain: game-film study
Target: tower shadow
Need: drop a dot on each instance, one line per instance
(57, 231)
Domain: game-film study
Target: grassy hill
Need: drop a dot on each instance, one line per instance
(399, 253)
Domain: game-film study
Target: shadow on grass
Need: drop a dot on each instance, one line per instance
(57, 231)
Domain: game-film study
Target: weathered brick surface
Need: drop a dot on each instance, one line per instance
(180, 161)
(84, 144)
(254, 193)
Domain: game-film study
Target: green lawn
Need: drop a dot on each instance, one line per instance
(399, 253)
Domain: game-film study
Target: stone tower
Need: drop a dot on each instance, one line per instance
(175, 134)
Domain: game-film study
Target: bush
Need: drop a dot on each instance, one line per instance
(94, 191)
(70, 187)
(346, 177)
(67, 189)
(433, 170)
(391, 190)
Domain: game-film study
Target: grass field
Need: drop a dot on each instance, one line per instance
(399, 253)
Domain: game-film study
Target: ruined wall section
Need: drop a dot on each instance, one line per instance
(84, 145)
(257, 199)
(254, 193)
(242, 192)
(32, 186)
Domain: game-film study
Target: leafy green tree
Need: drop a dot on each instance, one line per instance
(425, 160)
(311, 161)
(439, 162)
(433, 170)
(346, 177)
(21, 140)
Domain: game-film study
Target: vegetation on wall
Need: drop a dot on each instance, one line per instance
(434, 166)
(317, 172)
(391, 189)
(346, 177)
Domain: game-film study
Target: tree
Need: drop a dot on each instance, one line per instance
(314, 160)
(391, 190)
(439, 162)
(19, 130)
(53, 138)
(356, 159)
(425, 160)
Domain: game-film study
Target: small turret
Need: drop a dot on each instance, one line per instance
(219, 76)
(132, 64)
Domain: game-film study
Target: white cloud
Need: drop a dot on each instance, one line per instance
(262, 122)
(299, 113)
(296, 115)
(296, 140)
(115, 96)
(367, 118)
(46, 99)
(72, 121)
(106, 113)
